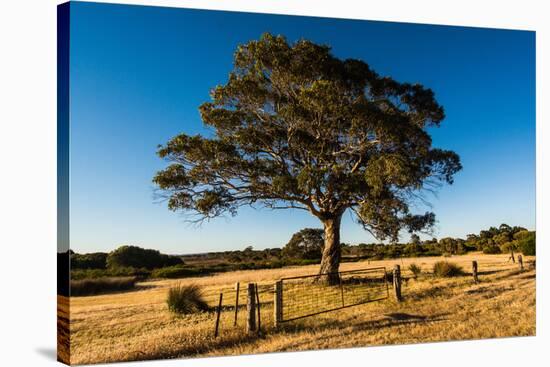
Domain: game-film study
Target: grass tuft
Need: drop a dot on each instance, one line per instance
(186, 299)
(445, 269)
(415, 269)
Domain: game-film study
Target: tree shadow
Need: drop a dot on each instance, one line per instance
(434, 291)
(488, 272)
(509, 273)
(390, 320)
(343, 328)
(404, 316)
(529, 276)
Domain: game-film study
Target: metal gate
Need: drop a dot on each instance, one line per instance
(304, 296)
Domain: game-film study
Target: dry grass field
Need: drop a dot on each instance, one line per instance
(137, 325)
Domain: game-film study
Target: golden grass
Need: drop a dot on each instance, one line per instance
(138, 326)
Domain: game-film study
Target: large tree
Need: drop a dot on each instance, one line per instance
(295, 127)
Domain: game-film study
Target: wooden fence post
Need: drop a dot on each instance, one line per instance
(474, 271)
(278, 303)
(386, 282)
(520, 262)
(341, 290)
(397, 282)
(218, 316)
(237, 287)
(258, 307)
(251, 309)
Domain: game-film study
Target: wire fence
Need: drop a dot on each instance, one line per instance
(300, 297)
(233, 312)
(306, 296)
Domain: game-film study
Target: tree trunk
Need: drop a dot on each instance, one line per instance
(330, 261)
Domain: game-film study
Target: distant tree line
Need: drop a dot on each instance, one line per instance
(304, 247)
(124, 257)
(504, 239)
(308, 244)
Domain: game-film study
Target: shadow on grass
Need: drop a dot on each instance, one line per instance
(529, 276)
(405, 316)
(346, 330)
(198, 349)
(510, 273)
(389, 320)
(489, 290)
(488, 272)
(434, 291)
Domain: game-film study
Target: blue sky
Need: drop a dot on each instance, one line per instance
(139, 73)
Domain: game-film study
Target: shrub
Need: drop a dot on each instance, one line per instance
(491, 249)
(415, 269)
(139, 274)
(528, 244)
(86, 287)
(508, 247)
(173, 272)
(446, 269)
(275, 264)
(186, 299)
(303, 262)
(432, 253)
(137, 257)
(96, 260)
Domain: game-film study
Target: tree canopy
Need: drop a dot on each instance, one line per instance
(296, 127)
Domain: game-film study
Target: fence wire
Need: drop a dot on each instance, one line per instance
(233, 315)
(302, 296)
(307, 296)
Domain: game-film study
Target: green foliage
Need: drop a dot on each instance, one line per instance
(178, 271)
(496, 240)
(445, 269)
(527, 244)
(137, 257)
(88, 287)
(432, 253)
(509, 246)
(273, 258)
(491, 249)
(415, 269)
(95, 260)
(415, 239)
(186, 299)
(392, 251)
(453, 246)
(521, 235)
(296, 127)
(185, 271)
(305, 244)
(78, 274)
